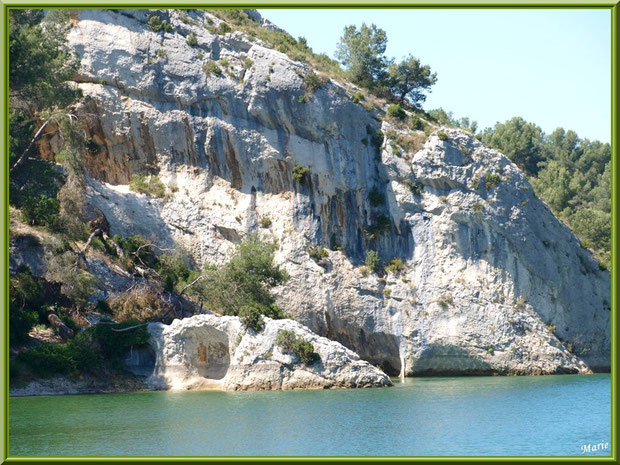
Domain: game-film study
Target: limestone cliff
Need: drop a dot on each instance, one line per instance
(492, 283)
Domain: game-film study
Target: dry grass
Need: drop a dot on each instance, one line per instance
(144, 303)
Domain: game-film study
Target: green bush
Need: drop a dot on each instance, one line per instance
(395, 266)
(265, 222)
(243, 282)
(175, 270)
(21, 321)
(416, 124)
(113, 345)
(357, 97)
(247, 63)
(137, 250)
(47, 359)
(191, 40)
(375, 197)
(39, 210)
(491, 180)
(313, 81)
(373, 261)
(289, 342)
(251, 317)
(442, 135)
(394, 110)
(211, 67)
(224, 29)
(76, 283)
(154, 23)
(300, 174)
(478, 208)
(150, 185)
(317, 253)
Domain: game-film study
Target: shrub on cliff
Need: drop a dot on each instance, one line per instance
(25, 298)
(300, 173)
(150, 185)
(191, 40)
(289, 342)
(241, 287)
(373, 261)
(396, 111)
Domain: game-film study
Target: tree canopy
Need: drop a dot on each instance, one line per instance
(363, 54)
(410, 79)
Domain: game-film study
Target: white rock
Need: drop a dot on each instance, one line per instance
(215, 352)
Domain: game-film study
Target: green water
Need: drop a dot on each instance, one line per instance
(547, 415)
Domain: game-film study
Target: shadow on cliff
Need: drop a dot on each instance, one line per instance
(447, 360)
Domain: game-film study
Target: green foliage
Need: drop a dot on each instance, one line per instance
(381, 225)
(26, 296)
(478, 208)
(154, 23)
(113, 345)
(211, 67)
(241, 287)
(76, 283)
(39, 210)
(409, 79)
(150, 185)
(289, 342)
(191, 40)
(357, 97)
(247, 63)
(224, 29)
(394, 110)
(300, 174)
(265, 222)
(313, 81)
(137, 250)
(415, 123)
(373, 261)
(39, 63)
(175, 270)
(317, 253)
(79, 355)
(442, 135)
(362, 52)
(520, 141)
(395, 266)
(375, 197)
(444, 118)
(491, 180)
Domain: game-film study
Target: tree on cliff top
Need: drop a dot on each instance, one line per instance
(363, 54)
(409, 79)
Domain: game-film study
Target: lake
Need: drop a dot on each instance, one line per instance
(529, 415)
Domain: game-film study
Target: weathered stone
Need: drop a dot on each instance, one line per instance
(493, 282)
(215, 352)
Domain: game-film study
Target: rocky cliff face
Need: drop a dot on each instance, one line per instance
(213, 352)
(492, 283)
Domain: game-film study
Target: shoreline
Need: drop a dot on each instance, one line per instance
(62, 386)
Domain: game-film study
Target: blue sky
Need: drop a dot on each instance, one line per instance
(552, 67)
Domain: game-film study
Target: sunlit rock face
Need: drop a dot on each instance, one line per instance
(213, 352)
(492, 281)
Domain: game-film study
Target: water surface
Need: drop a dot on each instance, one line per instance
(545, 415)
